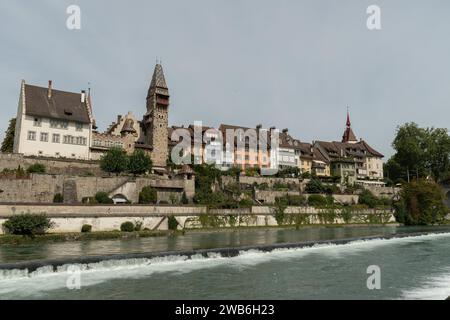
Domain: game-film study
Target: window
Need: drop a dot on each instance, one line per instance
(57, 154)
(44, 136)
(79, 126)
(32, 135)
(59, 124)
(56, 138)
(37, 122)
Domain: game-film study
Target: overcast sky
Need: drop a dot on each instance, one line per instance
(290, 63)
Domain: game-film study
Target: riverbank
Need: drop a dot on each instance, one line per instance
(9, 239)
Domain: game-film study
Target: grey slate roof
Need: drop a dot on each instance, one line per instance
(62, 105)
(158, 84)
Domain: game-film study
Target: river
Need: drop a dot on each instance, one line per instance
(416, 267)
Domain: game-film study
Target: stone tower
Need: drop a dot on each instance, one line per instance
(156, 120)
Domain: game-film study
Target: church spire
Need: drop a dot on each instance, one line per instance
(349, 135)
(349, 124)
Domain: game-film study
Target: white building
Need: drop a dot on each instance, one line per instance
(53, 123)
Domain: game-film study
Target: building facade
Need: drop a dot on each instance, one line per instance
(53, 123)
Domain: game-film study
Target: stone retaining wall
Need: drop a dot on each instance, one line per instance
(70, 218)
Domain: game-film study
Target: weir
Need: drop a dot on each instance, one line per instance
(53, 265)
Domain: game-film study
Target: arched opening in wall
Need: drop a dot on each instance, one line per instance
(120, 199)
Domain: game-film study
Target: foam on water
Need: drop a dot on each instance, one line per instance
(21, 283)
(432, 288)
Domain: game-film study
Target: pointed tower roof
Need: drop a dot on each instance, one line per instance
(349, 136)
(128, 127)
(158, 84)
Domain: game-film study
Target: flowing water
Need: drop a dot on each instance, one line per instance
(416, 267)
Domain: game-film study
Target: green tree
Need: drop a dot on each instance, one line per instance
(114, 161)
(437, 152)
(148, 195)
(394, 172)
(139, 163)
(421, 203)
(410, 145)
(420, 152)
(8, 142)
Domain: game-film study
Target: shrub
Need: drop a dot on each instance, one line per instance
(251, 172)
(58, 198)
(317, 200)
(315, 186)
(246, 203)
(28, 224)
(297, 200)
(346, 215)
(332, 189)
(148, 195)
(36, 168)
(366, 197)
(173, 223)
(215, 199)
(184, 199)
(138, 225)
(280, 186)
(280, 207)
(421, 203)
(173, 198)
(86, 228)
(292, 200)
(263, 186)
(127, 226)
(102, 197)
(306, 175)
(291, 172)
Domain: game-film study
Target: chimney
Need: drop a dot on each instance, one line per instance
(49, 91)
(119, 117)
(272, 128)
(286, 130)
(83, 96)
(259, 126)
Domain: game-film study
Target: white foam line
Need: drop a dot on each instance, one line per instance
(435, 287)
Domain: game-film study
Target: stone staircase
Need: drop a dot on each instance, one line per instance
(70, 191)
